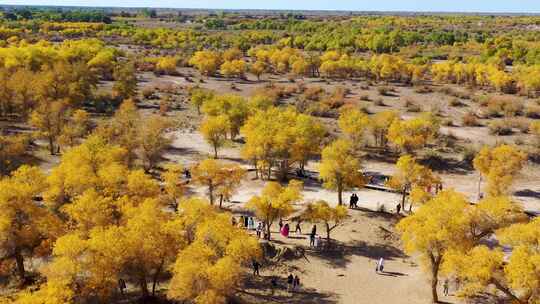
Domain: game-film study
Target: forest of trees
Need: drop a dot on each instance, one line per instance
(109, 209)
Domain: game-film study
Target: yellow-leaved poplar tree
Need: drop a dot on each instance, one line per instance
(322, 212)
(219, 178)
(340, 168)
(440, 225)
(275, 202)
(499, 166)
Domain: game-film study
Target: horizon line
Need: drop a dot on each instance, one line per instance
(279, 10)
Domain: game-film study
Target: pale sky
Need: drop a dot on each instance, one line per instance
(515, 6)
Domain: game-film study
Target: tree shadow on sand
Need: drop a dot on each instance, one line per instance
(260, 290)
(339, 255)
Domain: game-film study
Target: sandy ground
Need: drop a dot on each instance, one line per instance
(347, 276)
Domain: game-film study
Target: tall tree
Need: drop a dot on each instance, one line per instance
(275, 202)
(50, 118)
(321, 211)
(340, 168)
(435, 228)
(219, 178)
(499, 166)
(214, 130)
(26, 228)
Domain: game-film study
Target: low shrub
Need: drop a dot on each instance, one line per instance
(500, 127)
(532, 111)
(454, 102)
(423, 90)
(470, 120)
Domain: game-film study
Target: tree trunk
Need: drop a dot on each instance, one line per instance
(19, 259)
(256, 169)
(156, 277)
(51, 145)
(327, 235)
(403, 196)
(143, 286)
(268, 231)
(340, 195)
(215, 152)
(211, 192)
(435, 263)
(220, 200)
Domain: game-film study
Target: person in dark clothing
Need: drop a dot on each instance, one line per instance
(273, 284)
(312, 236)
(256, 266)
(298, 229)
(290, 280)
(246, 221)
(398, 208)
(296, 282)
(121, 285)
(351, 201)
(355, 202)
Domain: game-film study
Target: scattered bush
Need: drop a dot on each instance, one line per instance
(423, 90)
(532, 112)
(379, 102)
(470, 120)
(500, 127)
(468, 154)
(148, 92)
(411, 106)
(448, 122)
(385, 91)
(521, 124)
(454, 102)
(314, 93)
(498, 106)
(365, 97)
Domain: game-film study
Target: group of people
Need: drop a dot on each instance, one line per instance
(247, 222)
(353, 202)
(293, 283)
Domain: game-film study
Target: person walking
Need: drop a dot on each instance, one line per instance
(273, 284)
(355, 204)
(290, 280)
(446, 286)
(312, 236)
(351, 201)
(298, 229)
(285, 231)
(380, 265)
(251, 223)
(296, 282)
(398, 208)
(259, 229)
(256, 266)
(121, 285)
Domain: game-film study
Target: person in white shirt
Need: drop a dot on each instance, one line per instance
(380, 265)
